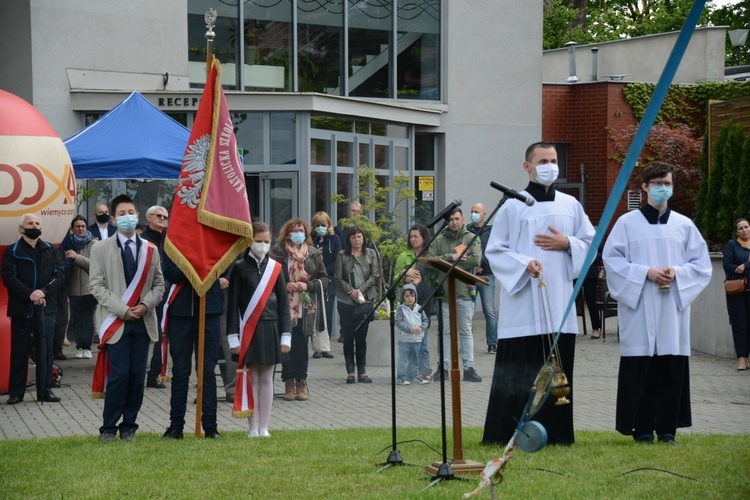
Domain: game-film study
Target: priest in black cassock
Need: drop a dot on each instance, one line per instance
(657, 264)
(548, 241)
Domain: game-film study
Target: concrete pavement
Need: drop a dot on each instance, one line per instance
(720, 396)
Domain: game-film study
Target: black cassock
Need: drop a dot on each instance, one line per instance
(517, 364)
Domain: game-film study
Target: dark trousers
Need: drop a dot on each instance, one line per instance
(154, 369)
(61, 317)
(355, 341)
(21, 330)
(82, 309)
(183, 341)
(738, 307)
(589, 295)
(125, 383)
(294, 364)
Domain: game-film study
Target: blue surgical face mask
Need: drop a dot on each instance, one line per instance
(475, 217)
(321, 230)
(126, 223)
(298, 237)
(660, 194)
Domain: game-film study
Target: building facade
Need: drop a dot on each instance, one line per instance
(447, 93)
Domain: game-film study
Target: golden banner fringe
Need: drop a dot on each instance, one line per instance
(97, 395)
(242, 413)
(164, 378)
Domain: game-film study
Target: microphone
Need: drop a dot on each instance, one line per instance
(512, 193)
(444, 213)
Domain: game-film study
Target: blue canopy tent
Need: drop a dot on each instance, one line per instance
(134, 140)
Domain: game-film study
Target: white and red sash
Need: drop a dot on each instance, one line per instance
(244, 405)
(173, 291)
(112, 323)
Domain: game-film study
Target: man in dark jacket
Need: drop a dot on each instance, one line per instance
(155, 232)
(103, 227)
(31, 271)
(182, 332)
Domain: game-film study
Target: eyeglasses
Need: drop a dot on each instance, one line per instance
(161, 216)
(660, 184)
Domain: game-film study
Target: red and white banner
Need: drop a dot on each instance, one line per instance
(210, 220)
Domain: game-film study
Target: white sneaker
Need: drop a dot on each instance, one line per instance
(402, 382)
(253, 434)
(265, 434)
(79, 354)
(87, 354)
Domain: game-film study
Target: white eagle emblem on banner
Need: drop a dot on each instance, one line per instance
(194, 165)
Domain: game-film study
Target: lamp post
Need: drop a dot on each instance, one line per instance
(738, 39)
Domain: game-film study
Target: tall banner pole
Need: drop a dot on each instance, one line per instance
(210, 18)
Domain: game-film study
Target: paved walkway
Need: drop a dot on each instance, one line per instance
(720, 396)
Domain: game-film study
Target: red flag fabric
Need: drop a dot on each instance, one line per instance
(210, 221)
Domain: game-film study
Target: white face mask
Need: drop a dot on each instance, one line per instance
(260, 249)
(547, 173)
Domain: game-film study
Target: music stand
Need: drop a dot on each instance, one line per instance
(443, 470)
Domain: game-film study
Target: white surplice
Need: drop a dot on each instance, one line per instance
(510, 249)
(653, 321)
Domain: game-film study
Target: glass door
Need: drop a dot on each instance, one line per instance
(280, 200)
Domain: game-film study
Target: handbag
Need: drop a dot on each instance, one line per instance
(735, 287)
(320, 340)
(362, 310)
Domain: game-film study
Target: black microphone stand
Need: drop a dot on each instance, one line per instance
(394, 457)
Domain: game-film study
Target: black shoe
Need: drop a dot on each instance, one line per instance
(341, 339)
(59, 355)
(646, 437)
(440, 374)
(667, 439)
(327, 355)
(14, 400)
(155, 384)
(230, 397)
(491, 349)
(316, 355)
(107, 437)
(172, 433)
(213, 434)
(350, 380)
(364, 379)
(127, 436)
(471, 376)
(51, 398)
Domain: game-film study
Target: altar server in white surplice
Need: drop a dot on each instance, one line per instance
(657, 264)
(549, 240)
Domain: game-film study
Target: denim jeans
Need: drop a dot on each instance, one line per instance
(464, 316)
(408, 355)
(424, 355)
(487, 295)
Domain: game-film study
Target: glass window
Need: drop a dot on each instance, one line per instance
(319, 199)
(382, 156)
(149, 193)
(562, 160)
(180, 118)
(401, 157)
(419, 49)
(248, 128)
(320, 152)
(344, 154)
(364, 154)
(319, 28)
(225, 43)
(369, 48)
(361, 127)
(283, 139)
(424, 206)
(337, 124)
(344, 188)
(268, 45)
(424, 152)
(380, 129)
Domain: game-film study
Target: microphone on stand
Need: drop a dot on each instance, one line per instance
(512, 193)
(444, 213)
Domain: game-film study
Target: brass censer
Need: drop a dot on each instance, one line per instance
(560, 384)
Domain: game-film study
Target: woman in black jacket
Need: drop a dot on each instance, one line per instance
(736, 266)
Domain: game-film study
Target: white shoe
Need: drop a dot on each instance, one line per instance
(265, 434)
(253, 434)
(79, 354)
(87, 354)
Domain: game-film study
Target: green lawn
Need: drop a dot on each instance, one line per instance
(341, 464)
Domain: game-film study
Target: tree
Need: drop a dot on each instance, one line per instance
(606, 20)
(700, 200)
(676, 145)
(736, 17)
(731, 155)
(742, 205)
